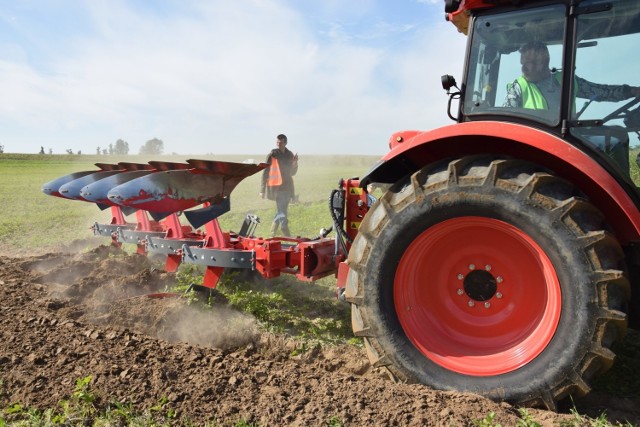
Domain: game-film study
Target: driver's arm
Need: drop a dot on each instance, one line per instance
(514, 96)
(601, 92)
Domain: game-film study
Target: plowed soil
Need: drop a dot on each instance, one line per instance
(65, 316)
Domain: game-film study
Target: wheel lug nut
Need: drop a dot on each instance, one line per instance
(499, 279)
(460, 292)
(472, 266)
(471, 303)
(487, 304)
(487, 267)
(460, 276)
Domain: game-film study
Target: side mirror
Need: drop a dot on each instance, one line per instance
(448, 82)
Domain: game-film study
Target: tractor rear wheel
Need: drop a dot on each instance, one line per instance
(490, 276)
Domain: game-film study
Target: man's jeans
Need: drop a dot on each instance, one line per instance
(282, 205)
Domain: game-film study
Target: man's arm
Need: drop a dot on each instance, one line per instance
(265, 176)
(514, 96)
(294, 164)
(601, 92)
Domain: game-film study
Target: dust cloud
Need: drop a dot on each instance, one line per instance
(109, 288)
(220, 327)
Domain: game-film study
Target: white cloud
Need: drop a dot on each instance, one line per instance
(225, 77)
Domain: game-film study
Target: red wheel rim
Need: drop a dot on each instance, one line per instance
(477, 296)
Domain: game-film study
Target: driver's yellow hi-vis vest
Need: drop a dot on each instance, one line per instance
(533, 99)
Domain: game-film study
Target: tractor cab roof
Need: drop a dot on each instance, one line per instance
(627, 18)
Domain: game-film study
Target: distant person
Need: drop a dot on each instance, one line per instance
(277, 183)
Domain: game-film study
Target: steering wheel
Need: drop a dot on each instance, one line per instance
(624, 112)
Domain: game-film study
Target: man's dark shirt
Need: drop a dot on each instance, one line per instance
(288, 168)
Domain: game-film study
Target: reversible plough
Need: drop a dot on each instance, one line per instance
(157, 193)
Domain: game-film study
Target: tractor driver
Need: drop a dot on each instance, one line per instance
(539, 89)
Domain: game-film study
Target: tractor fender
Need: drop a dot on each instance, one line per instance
(412, 150)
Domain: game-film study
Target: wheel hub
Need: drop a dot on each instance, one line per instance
(480, 285)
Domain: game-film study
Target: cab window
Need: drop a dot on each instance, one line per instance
(495, 81)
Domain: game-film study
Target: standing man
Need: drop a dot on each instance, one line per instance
(277, 180)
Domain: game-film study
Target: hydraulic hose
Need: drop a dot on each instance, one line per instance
(340, 231)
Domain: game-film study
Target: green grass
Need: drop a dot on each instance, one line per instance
(31, 219)
(308, 312)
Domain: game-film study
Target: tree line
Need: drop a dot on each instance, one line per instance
(153, 146)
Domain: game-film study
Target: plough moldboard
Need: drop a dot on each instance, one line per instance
(157, 193)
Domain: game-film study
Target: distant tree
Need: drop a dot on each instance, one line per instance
(69, 151)
(110, 149)
(41, 150)
(1, 149)
(122, 147)
(50, 151)
(104, 151)
(79, 152)
(153, 146)
(98, 150)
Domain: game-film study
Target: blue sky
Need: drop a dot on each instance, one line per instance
(219, 76)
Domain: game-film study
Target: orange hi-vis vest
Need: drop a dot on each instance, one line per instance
(275, 177)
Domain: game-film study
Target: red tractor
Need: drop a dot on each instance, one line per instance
(503, 260)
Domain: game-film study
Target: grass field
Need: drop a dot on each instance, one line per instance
(32, 220)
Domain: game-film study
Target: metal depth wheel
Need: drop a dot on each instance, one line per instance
(491, 276)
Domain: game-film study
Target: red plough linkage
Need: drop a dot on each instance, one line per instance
(158, 192)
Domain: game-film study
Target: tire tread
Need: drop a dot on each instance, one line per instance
(531, 185)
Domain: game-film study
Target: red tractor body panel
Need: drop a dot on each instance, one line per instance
(514, 140)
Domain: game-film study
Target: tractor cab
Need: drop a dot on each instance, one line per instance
(566, 67)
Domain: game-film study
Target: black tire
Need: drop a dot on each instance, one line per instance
(567, 231)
